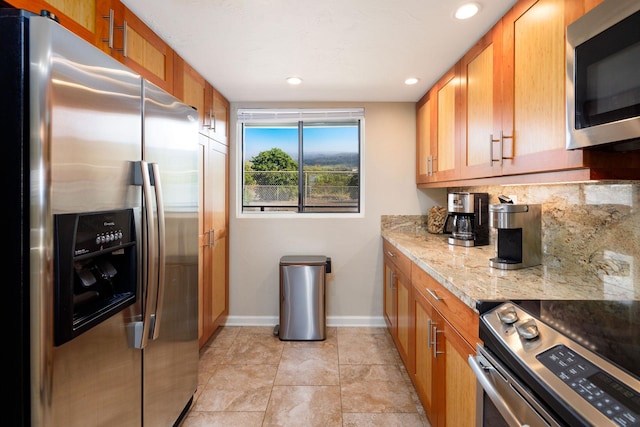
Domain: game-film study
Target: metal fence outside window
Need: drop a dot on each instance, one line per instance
(322, 189)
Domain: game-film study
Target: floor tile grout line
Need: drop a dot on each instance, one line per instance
(235, 337)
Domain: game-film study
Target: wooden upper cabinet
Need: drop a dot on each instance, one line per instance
(590, 4)
(533, 113)
(78, 16)
(81, 12)
(514, 94)
(511, 117)
(125, 37)
(446, 97)
(218, 120)
(191, 88)
(437, 132)
(145, 52)
(213, 108)
(481, 99)
(424, 139)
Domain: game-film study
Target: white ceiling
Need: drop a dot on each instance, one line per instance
(344, 50)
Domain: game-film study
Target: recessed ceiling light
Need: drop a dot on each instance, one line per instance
(411, 81)
(467, 10)
(294, 80)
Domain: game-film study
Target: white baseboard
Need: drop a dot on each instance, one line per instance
(363, 321)
(354, 321)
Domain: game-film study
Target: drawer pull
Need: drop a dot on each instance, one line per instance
(434, 295)
(391, 254)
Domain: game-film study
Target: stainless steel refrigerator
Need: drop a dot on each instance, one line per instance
(100, 174)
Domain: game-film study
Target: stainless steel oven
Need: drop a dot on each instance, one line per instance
(559, 363)
(504, 400)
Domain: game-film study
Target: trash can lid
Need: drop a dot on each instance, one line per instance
(303, 260)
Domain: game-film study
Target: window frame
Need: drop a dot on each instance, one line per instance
(258, 116)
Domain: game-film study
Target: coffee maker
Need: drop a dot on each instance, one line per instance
(468, 219)
(518, 244)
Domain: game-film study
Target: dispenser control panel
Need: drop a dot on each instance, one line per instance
(103, 230)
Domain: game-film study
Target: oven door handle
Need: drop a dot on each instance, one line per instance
(493, 393)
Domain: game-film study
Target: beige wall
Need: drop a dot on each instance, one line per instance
(354, 289)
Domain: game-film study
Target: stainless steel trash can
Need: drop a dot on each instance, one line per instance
(302, 298)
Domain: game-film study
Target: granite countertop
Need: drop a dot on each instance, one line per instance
(467, 274)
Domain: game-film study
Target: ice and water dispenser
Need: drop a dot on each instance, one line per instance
(95, 266)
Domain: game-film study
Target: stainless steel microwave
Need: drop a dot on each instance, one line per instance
(603, 77)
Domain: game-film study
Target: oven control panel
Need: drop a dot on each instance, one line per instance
(588, 385)
(614, 399)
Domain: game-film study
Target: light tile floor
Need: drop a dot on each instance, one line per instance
(354, 378)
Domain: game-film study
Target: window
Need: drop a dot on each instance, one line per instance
(304, 161)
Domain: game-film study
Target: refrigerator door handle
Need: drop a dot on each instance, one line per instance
(161, 245)
(139, 332)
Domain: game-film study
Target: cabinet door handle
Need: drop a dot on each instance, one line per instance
(112, 28)
(491, 141)
(502, 138)
(429, 325)
(434, 295)
(435, 341)
(123, 28)
(501, 141)
(109, 39)
(210, 127)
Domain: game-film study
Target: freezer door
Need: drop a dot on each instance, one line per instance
(170, 373)
(85, 134)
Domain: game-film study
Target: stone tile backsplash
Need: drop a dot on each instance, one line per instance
(591, 225)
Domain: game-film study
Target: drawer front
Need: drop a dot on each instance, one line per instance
(397, 258)
(457, 313)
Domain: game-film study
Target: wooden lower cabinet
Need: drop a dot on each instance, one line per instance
(442, 377)
(397, 301)
(425, 377)
(459, 380)
(390, 299)
(434, 333)
(405, 319)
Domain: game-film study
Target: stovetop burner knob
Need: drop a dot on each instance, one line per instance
(508, 315)
(528, 330)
